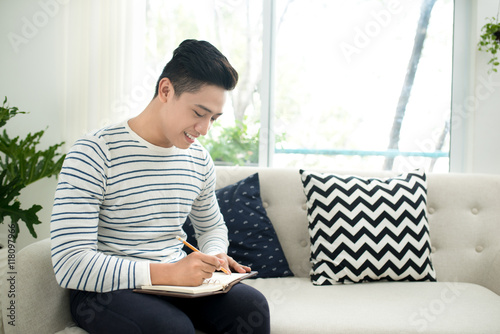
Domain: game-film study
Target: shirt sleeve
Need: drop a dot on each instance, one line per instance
(208, 222)
(77, 262)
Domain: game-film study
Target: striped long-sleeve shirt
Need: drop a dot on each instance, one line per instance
(119, 204)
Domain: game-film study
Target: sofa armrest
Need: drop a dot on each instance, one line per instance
(42, 306)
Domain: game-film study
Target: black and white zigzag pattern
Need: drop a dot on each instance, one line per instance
(366, 229)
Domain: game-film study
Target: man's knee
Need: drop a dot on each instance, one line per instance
(256, 319)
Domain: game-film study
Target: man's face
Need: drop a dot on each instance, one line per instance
(184, 118)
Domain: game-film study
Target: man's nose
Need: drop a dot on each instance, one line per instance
(203, 126)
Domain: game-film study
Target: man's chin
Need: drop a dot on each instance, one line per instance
(183, 146)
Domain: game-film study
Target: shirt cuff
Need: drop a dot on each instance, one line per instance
(143, 274)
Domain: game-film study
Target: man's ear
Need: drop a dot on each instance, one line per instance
(165, 90)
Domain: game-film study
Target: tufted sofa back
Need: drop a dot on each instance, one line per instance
(463, 213)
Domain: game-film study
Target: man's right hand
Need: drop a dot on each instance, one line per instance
(190, 271)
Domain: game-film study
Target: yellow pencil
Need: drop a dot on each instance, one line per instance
(194, 249)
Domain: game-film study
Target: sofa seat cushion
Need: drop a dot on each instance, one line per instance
(298, 306)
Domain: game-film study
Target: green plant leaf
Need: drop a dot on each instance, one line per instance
(29, 216)
(7, 113)
(232, 144)
(11, 207)
(22, 164)
(488, 41)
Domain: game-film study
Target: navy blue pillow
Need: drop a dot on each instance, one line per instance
(252, 239)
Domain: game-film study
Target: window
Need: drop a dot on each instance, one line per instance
(337, 70)
(235, 28)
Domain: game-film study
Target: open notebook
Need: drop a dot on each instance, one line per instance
(218, 283)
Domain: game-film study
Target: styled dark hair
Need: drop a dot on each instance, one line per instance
(197, 63)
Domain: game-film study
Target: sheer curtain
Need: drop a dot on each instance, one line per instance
(104, 56)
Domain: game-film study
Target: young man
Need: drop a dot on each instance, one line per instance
(124, 193)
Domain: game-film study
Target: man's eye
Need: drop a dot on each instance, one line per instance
(197, 114)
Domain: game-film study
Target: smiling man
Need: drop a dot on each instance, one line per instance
(123, 196)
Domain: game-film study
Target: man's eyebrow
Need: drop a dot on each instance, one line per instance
(206, 109)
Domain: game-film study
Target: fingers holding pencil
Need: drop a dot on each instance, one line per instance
(194, 249)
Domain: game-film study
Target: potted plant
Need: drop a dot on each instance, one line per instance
(490, 41)
(22, 164)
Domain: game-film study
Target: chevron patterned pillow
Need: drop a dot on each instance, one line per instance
(368, 229)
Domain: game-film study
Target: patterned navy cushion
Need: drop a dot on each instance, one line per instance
(367, 229)
(252, 238)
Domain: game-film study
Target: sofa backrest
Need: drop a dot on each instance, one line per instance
(285, 203)
(463, 213)
(464, 219)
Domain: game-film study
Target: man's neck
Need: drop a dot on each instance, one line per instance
(146, 124)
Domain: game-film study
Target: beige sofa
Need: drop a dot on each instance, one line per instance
(464, 218)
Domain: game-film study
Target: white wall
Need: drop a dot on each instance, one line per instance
(476, 94)
(485, 141)
(32, 71)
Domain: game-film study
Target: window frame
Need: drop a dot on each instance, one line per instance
(462, 88)
(461, 123)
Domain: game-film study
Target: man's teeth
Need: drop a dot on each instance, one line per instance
(190, 137)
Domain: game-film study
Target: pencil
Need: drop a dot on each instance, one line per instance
(194, 249)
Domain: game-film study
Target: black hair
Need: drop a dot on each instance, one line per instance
(197, 63)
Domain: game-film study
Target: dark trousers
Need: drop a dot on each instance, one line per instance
(242, 310)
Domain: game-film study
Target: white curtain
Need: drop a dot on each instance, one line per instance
(104, 55)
